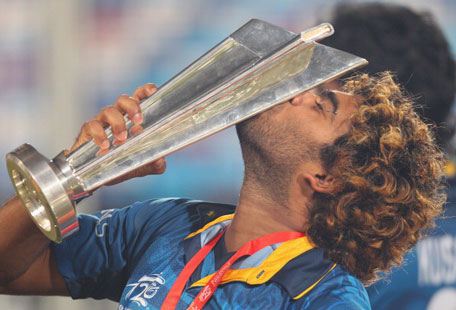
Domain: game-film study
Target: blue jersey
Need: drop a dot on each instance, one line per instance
(133, 255)
(427, 280)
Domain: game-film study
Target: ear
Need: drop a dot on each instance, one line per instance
(321, 183)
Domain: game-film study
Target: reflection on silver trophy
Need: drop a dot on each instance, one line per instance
(255, 68)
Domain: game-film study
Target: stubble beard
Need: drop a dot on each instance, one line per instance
(272, 152)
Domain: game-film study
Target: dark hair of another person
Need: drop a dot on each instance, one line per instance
(411, 45)
(390, 174)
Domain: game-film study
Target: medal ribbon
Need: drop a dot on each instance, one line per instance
(205, 294)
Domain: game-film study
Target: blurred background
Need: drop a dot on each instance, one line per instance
(62, 61)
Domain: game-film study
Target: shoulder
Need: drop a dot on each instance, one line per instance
(315, 282)
(339, 290)
(158, 214)
(175, 210)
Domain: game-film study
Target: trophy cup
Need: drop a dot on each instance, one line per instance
(258, 66)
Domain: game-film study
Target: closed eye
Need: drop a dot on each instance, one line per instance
(319, 105)
(327, 93)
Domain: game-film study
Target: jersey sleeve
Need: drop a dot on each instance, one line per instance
(97, 260)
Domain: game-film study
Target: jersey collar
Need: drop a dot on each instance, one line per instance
(296, 264)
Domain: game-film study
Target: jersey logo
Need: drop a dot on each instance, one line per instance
(144, 289)
(102, 224)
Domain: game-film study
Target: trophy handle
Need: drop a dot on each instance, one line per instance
(37, 183)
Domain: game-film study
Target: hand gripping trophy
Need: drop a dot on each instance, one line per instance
(258, 66)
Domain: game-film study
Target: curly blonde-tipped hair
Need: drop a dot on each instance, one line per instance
(391, 176)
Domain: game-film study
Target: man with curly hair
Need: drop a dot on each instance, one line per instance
(411, 44)
(338, 185)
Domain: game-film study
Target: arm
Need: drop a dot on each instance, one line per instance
(27, 263)
(25, 255)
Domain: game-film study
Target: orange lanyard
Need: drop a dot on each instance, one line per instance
(205, 294)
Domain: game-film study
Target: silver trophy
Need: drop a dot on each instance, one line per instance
(258, 66)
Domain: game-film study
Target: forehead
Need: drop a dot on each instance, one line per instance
(356, 99)
(342, 96)
(348, 105)
(336, 86)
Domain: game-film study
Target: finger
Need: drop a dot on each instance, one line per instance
(92, 130)
(114, 118)
(136, 130)
(156, 167)
(144, 91)
(159, 165)
(130, 106)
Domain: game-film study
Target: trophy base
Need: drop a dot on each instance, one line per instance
(37, 182)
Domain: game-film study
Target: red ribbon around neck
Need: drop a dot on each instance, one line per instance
(205, 294)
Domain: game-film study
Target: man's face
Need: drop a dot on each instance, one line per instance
(279, 142)
(297, 129)
(322, 114)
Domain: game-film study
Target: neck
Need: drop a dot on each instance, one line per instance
(258, 215)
